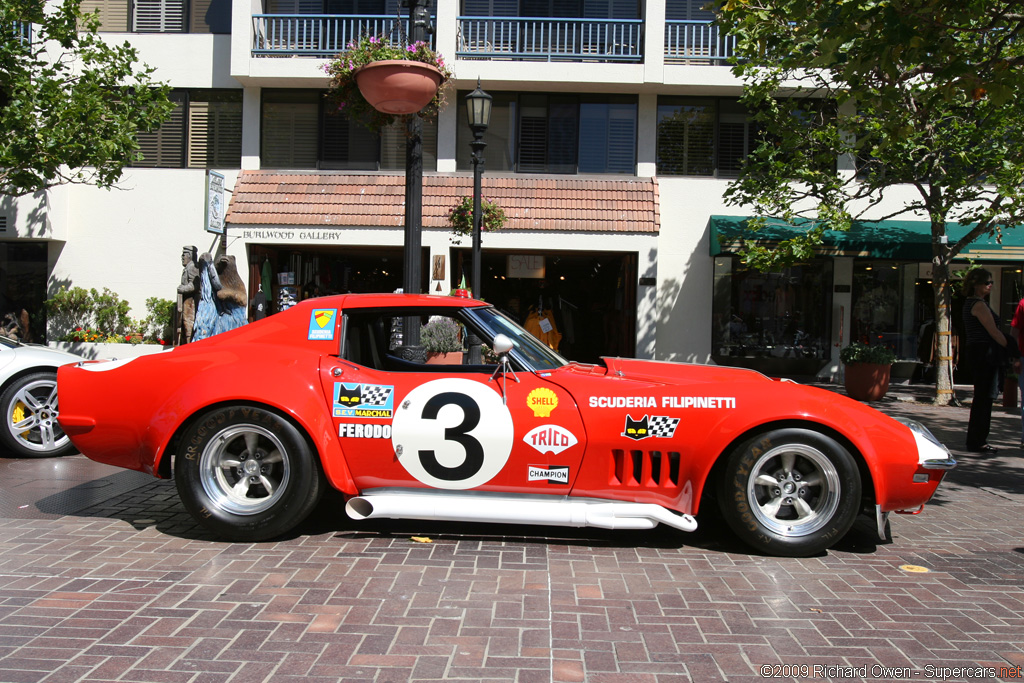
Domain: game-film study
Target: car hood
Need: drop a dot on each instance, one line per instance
(669, 372)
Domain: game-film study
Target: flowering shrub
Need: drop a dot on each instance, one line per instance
(80, 315)
(492, 218)
(344, 95)
(83, 334)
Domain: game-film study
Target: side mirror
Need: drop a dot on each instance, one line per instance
(502, 344)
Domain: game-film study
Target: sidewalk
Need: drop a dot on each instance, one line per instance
(104, 577)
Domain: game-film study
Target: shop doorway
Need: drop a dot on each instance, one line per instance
(23, 275)
(587, 298)
(287, 274)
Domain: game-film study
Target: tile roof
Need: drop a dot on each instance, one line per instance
(267, 197)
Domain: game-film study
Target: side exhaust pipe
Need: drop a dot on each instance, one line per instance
(509, 510)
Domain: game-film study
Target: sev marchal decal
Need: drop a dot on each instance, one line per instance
(363, 400)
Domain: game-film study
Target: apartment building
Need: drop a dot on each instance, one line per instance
(615, 130)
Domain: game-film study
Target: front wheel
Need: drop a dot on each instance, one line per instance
(790, 492)
(30, 412)
(246, 473)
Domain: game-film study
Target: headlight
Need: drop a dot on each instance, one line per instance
(932, 454)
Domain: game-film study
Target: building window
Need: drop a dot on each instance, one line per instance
(703, 136)
(203, 131)
(162, 16)
(300, 132)
(556, 133)
(774, 322)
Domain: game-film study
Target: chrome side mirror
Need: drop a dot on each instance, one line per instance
(502, 344)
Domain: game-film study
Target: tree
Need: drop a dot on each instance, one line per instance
(71, 105)
(856, 98)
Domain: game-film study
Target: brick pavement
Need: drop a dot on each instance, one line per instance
(121, 586)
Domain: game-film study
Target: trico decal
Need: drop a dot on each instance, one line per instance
(542, 401)
(364, 431)
(655, 425)
(550, 439)
(321, 324)
(555, 475)
(363, 400)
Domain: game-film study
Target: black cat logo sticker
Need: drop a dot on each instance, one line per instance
(655, 425)
(363, 400)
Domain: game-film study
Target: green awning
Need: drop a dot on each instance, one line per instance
(902, 240)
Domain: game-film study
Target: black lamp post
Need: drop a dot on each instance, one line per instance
(478, 106)
(419, 27)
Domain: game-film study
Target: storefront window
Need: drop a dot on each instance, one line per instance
(777, 323)
(886, 310)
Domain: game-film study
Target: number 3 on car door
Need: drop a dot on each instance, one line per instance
(452, 433)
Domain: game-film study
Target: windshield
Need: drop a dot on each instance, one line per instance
(526, 347)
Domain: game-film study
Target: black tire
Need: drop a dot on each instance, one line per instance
(30, 412)
(246, 473)
(790, 492)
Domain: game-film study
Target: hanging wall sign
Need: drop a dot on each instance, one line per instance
(215, 205)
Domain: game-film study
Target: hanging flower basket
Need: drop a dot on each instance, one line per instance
(377, 82)
(398, 86)
(460, 218)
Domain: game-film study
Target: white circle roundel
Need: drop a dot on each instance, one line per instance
(452, 433)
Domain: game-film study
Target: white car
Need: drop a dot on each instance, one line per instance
(28, 400)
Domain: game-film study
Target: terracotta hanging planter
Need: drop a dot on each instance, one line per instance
(398, 86)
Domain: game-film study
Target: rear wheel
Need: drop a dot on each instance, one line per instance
(30, 412)
(247, 474)
(790, 492)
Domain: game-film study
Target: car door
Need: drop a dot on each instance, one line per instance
(449, 427)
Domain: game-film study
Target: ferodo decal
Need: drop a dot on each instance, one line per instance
(321, 324)
(363, 400)
(555, 475)
(542, 401)
(359, 430)
(550, 439)
(646, 427)
(452, 433)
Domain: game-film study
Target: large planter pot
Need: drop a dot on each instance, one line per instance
(96, 350)
(398, 86)
(447, 358)
(867, 381)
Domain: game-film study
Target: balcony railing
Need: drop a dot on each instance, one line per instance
(697, 42)
(577, 40)
(318, 35)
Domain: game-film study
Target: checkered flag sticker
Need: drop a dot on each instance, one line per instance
(663, 426)
(376, 395)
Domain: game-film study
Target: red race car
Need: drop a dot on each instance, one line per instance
(255, 422)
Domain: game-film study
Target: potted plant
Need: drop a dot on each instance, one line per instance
(442, 339)
(867, 370)
(375, 81)
(460, 218)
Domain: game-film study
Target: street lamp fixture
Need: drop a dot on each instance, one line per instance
(478, 106)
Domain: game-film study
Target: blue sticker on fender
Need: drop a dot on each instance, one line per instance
(363, 400)
(321, 324)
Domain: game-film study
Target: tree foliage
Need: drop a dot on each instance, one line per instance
(71, 105)
(927, 96)
(923, 95)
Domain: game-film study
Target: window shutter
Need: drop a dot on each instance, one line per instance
(215, 134)
(159, 16)
(347, 144)
(289, 135)
(392, 148)
(165, 147)
(113, 13)
(210, 16)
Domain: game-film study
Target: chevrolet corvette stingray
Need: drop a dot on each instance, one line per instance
(254, 424)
